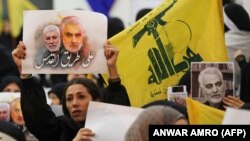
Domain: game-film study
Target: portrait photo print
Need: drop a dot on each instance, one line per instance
(211, 82)
(67, 41)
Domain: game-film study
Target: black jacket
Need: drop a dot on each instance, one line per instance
(246, 106)
(220, 107)
(7, 66)
(245, 79)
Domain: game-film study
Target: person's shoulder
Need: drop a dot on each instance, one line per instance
(47, 52)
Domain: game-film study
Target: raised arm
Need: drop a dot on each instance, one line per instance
(116, 92)
(18, 55)
(111, 54)
(38, 116)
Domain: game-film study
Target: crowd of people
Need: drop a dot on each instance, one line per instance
(31, 117)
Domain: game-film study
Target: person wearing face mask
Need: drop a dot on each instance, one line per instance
(237, 37)
(40, 119)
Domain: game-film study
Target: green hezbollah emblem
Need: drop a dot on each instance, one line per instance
(175, 55)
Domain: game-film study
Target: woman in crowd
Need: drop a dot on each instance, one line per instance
(10, 83)
(56, 93)
(155, 115)
(237, 37)
(43, 123)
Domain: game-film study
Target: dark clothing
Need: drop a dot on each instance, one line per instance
(8, 80)
(246, 106)
(7, 41)
(245, 79)
(11, 130)
(48, 59)
(220, 107)
(44, 124)
(8, 66)
(58, 90)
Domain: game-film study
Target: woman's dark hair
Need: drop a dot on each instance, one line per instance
(91, 87)
(58, 89)
(142, 13)
(186, 81)
(115, 25)
(238, 15)
(165, 102)
(10, 79)
(227, 2)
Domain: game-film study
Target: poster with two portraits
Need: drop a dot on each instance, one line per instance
(63, 42)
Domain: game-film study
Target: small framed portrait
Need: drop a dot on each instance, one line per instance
(211, 82)
(67, 41)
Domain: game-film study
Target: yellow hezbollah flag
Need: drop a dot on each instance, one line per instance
(199, 113)
(1, 16)
(15, 10)
(156, 51)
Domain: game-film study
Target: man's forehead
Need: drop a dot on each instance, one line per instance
(211, 78)
(51, 33)
(70, 26)
(211, 75)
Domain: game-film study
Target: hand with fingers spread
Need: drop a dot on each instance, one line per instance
(233, 102)
(84, 134)
(111, 54)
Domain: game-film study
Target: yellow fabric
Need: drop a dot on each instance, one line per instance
(1, 16)
(15, 10)
(156, 51)
(199, 113)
